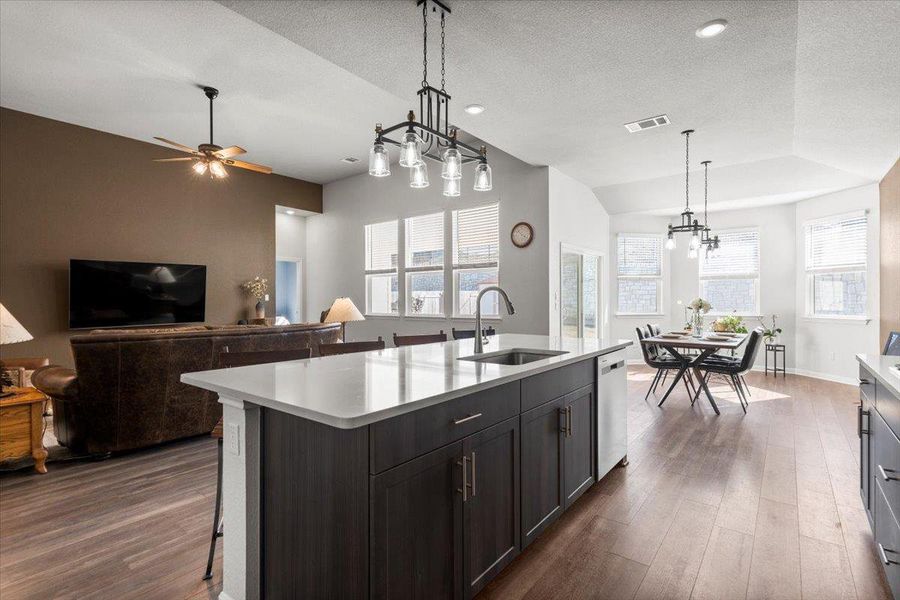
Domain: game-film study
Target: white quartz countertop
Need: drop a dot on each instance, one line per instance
(884, 368)
(353, 390)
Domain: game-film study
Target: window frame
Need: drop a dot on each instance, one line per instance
(369, 272)
(658, 278)
(409, 271)
(459, 268)
(757, 276)
(811, 272)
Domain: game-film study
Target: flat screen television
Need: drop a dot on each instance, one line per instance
(127, 294)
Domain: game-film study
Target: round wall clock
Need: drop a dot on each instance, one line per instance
(522, 234)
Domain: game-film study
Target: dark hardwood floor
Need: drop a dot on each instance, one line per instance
(763, 505)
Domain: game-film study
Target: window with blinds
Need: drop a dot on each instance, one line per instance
(836, 249)
(476, 258)
(639, 273)
(729, 280)
(381, 268)
(424, 265)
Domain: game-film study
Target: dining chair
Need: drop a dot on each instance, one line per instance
(415, 340)
(351, 347)
(892, 345)
(227, 360)
(663, 365)
(465, 334)
(735, 369)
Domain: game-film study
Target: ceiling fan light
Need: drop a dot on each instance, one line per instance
(451, 187)
(410, 149)
(483, 181)
(452, 166)
(217, 169)
(418, 175)
(199, 167)
(379, 161)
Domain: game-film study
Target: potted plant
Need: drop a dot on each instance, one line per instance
(770, 334)
(700, 308)
(258, 288)
(730, 323)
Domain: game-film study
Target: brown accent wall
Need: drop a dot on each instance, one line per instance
(889, 213)
(71, 192)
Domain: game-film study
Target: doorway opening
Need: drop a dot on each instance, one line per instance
(289, 289)
(581, 293)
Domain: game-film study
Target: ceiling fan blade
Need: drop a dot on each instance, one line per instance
(249, 166)
(181, 147)
(229, 152)
(172, 159)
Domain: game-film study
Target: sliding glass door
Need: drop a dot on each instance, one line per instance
(580, 293)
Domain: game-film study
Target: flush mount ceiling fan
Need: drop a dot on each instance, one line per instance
(209, 157)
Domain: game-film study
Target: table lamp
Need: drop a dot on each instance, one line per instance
(342, 311)
(11, 332)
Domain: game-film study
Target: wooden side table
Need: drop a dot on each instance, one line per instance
(22, 427)
(775, 349)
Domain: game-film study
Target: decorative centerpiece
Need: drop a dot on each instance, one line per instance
(258, 288)
(770, 334)
(730, 324)
(700, 308)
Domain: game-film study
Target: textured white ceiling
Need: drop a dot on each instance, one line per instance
(303, 83)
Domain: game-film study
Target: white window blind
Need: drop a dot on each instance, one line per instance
(476, 259)
(836, 250)
(424, 265)
(639, 273)
(382, 292)
(729, 280)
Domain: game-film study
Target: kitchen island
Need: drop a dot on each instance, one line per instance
(414, 472)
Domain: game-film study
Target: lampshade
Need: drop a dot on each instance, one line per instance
(11, 331)
(342, 311)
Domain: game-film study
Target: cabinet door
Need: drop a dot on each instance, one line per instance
(864, 422)
(491, 508)
(579, 449)
(416, 525)
(542, 469)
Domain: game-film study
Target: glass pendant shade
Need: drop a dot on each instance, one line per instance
(418, 175)
(483, 181)
(670, 243)
(410, 149)
(217, 169)
(695, 242)
(451, 187)
(199, 167)
(379, 161)
(452, 168)
(692, 253)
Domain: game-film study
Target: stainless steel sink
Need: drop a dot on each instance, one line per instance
(515, 356)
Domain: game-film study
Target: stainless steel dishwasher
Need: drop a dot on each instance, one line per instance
(612, 411)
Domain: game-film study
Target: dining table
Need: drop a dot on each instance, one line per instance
(676, 344)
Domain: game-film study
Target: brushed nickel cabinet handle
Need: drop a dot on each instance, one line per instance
(569, 420)
(465, 485)
(865, 382)
(884, 473)
(473, 473)
(883, 553)
(564, 413)
(464, 419)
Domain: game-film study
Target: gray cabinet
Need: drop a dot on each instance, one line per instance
(865, 434)
(579, 450)
(543, 496)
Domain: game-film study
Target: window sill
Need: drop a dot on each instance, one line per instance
(864, 320)
(638, 315)
(381, 316)
(484, 319)
(426, 317)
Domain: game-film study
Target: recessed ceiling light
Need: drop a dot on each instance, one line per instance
(350, 159)
(291, 212)
(712, 28)
(474, 109)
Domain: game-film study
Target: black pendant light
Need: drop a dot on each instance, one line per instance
(688, 223)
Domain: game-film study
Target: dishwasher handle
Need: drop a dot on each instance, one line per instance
(609, 368)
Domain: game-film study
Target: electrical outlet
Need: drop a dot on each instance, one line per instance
(234, 439)
(267, 298)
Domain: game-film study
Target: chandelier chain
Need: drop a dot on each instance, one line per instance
(424, 44)
(687, 170)
(443, 50)
(705, 193)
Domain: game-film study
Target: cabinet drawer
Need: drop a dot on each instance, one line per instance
(887, 540)
(888, 405)
(550, 385)
(402, 438)
(866, 386)
(886, 460)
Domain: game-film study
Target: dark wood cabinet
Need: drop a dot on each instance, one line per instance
(491, 506)
(417, 528)
(579, 452)
(543, 498)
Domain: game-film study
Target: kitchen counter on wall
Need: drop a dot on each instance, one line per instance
(353, 390)
(884, 369)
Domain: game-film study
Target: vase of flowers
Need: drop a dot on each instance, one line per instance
(258, 288)
(770, 334)
(700, 308)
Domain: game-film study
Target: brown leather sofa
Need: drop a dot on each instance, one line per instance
(125, 392)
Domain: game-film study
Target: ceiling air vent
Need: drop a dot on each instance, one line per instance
(648, 123)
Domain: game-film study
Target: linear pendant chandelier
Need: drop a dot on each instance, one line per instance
(688, 223)
(711, 243)
(432, 137)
